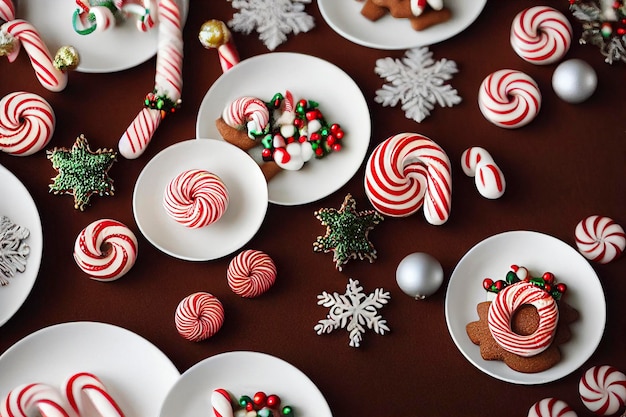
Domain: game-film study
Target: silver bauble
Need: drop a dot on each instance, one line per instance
(419, 275)
(574, 81)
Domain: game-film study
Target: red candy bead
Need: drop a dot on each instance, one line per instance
(487, 283)
(500, 284)
(562, 288)
(336, 147)
(319, 152)
(315, 136)
(339, 134)
(273, 401)
(548, 277)
(259, 398)
(266, 153)
(298, 123)
(330, 139)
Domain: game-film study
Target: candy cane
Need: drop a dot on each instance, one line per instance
(168, 83)
(478, 163)
(94, 391)
(25, 34)
(214, 34)
(35, 399)
(221, 403)
(7, 10)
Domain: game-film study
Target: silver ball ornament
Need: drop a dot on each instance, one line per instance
(419, 275)
(574, 81)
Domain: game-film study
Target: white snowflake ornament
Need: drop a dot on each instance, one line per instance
(353, 311)
(418, 82)
(272, 19)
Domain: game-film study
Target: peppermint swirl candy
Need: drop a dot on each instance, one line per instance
(600, 239)
(504, 306)
(105, 250)
(603, 390)
(195, 198)
(35, 399)
(509, 98)
(85, 391)
(251, 273)
(199, 316)
(27, 123)
(551, 407)
(407, 171)
(247, 112)
(541, 35)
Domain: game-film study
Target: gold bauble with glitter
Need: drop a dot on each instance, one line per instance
(7, 43)
(66, 58)
(213, 34)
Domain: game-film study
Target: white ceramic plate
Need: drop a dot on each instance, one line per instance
(115, 49)
(344, 17)
(18, 205)
(307, 77)
(243, 373)
(134, 371)
(246, 210)
(539, 253)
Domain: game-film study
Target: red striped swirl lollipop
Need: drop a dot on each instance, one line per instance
(541, 35)
(35, 399)
(600, 239)
(551, 407)
(603, 390)
(509, 98)
(195, 198)
(27, 123)
(247, 112)
(251, 273)
(199, 316)
(407, 171)
(105, 250)
(85, 391)
(503, 307)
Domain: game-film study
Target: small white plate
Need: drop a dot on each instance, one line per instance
(243, 373)
(18, 205)
(307, 77)
(115, 49)
(344, 17)
(540, 253)
(246, 210)
(134, 371)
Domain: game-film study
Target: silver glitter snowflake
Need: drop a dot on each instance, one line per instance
(418, 82)
(272, 19)
(13, 249)
(353, 311)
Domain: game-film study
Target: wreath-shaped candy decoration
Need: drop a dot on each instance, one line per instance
(100, 15)
(265, 405)
(546, 282)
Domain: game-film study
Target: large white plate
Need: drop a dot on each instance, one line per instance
(243, 373)
(134, 371)
(539, 253)
(246, 210)
(344, 17)
(18, 205)
(115, 49)
(307, 77)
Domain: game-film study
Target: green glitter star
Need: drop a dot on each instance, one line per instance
(347, 232)
(82, 172)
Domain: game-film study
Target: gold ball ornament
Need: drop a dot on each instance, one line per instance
(7, 43)
(213, 34)
(66, 58)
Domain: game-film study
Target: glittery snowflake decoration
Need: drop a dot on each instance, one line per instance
(353, 311)
(13, 250)
(272, 19)
(418, 82)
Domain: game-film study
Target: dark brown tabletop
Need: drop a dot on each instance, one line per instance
(565, 165)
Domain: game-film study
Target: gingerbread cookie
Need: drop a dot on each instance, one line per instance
(422, 14)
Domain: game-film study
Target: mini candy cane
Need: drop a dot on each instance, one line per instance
(165, 97)
(103, 15)
(221, 403)
(214, 34)
(35, 399)
(19, 32)
(84, 387)
(7, 10)
(478, 163)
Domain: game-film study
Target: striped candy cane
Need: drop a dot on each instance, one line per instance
(7, 10)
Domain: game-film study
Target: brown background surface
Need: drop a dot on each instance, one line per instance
(567, 164)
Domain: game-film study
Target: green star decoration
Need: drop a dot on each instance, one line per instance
(347, 232)
(82, 172)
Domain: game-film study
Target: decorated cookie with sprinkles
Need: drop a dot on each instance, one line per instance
(82, 172)
(347, 232)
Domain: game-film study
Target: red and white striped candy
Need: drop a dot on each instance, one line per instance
(35, 399)
(600, 239)
(199, 316)
(418, 6)
(551, 407)
(27, 123)
(40, 57)
(248, 112)
(168, 80)
(195, 198)
(251, 273)
(221, 403)
(85, 391)
(603, 390)
(478, 163)
(105, 250)
(407, 171)
(509, 98)
(541, 35)
(7, 10)
(503, 307)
